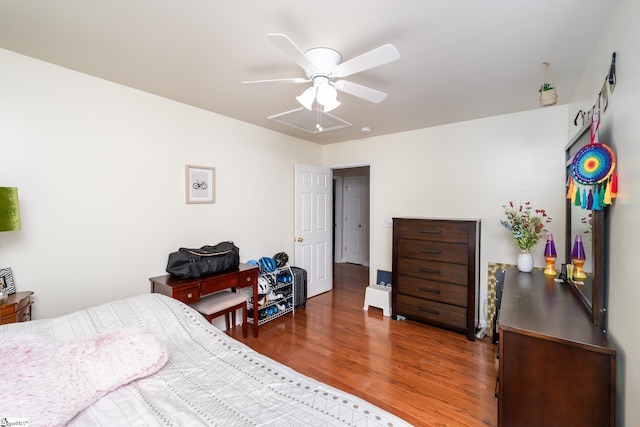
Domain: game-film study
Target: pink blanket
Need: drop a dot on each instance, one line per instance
(49, 382)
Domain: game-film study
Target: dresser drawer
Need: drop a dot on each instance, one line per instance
(438, 231)
(8, 319)
(24, 314)
(435, 291)
(432, 311)
(248, 278)
(434, 251)
(434, 270)
(218, 283)
(187, 295)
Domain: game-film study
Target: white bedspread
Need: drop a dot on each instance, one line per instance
(210, 378)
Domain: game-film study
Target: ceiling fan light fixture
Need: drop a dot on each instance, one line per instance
(327, 96)
(321, 65)
(331, 105)
(307, 98)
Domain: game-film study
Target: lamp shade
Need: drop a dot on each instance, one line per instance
(327, 95)
(331, 105)
(9, 209)
(307, 98)
(550, 247)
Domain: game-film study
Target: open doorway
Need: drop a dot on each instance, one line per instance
(351, 213)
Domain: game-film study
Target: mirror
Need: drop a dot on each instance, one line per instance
(590, 225)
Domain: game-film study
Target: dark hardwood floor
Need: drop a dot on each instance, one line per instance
(425, 375)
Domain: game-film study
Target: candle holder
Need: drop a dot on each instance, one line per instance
(550, 256)
(578, 258)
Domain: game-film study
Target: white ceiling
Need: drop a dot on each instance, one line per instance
(459, 59)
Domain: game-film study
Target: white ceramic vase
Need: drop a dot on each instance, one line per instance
(525, 261)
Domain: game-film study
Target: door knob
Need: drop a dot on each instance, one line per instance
(359, 225)
(299, 240)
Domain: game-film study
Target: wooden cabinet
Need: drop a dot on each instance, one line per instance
(17, 308)
(556, 367)
(435, 277)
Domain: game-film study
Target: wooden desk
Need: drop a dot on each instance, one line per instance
(556, 367)
(191, 290)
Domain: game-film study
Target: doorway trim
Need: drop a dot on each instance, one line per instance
(372, 273)
(338, 256)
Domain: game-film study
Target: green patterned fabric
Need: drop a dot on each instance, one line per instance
(9, 209)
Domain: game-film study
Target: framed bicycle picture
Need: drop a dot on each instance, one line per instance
(200, 184)
(6, 281)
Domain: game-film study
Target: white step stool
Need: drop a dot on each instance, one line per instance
(378, 296)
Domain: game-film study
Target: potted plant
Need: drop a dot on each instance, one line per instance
(548, 94)
(545, 87)
(528, 228)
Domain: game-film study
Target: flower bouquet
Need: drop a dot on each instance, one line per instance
(526, 224)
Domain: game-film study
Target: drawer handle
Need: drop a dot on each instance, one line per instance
(430, 251)
(429, 310)
(496, 392)
(430, 231)
(189, 295)
(248, 279)
(433, 291)
(429, 270)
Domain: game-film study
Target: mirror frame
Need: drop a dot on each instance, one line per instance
(593, 300)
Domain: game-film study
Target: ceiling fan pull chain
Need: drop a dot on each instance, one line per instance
(318, 120)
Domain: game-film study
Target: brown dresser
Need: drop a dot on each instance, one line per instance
(556, 367)
(17, 308)
(435, 272)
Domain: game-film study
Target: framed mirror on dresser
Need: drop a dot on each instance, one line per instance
(542, 323)
(589, 226)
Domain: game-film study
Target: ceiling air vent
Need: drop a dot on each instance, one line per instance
(314, 121)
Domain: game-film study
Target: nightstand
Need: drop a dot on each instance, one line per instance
(17, 308)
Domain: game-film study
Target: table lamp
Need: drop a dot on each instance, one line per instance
(550, 256)
(578, 258)
(9, 219)
(9, 209)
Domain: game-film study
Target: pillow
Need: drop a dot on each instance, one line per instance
(49, 382)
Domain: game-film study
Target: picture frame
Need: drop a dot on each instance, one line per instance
(6, 281)
(200, 184)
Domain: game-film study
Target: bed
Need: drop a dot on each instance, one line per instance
(177, 370)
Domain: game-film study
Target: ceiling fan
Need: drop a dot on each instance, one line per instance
(322, 65)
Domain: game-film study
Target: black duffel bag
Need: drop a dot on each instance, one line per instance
(189, 263)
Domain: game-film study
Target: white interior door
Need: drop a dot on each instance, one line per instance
(355, 219)
(314, 226)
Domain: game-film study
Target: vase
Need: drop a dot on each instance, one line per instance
(525, 261)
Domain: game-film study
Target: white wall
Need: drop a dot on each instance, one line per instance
(619, 129)
(465, 170)
(100, 173)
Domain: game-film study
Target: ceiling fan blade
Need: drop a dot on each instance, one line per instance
(360, 91)
(371, 59)
(288, 47)
(291, 80)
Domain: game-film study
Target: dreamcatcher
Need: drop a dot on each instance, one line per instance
(593, 182)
